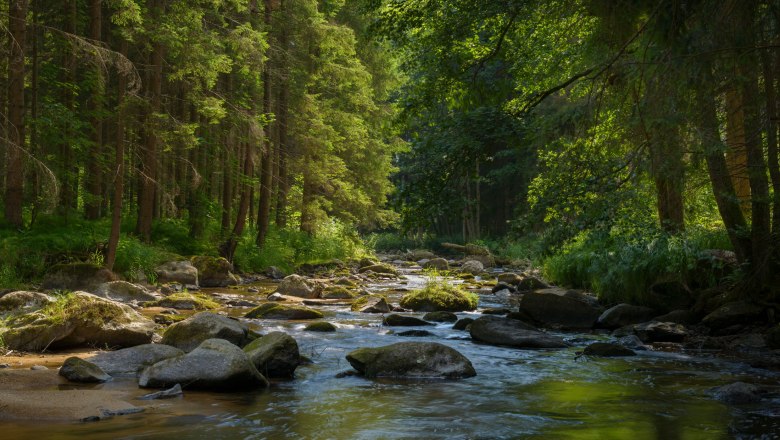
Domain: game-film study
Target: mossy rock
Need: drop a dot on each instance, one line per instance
(274, 355)
(395, 320)
(380, 268)
(411, 360)
(320, 326)
(282, 311)
(185, 301)
(337, 292)
(440, 297)
(77, 276)
(440, 316)
(463, 324)
(191, 332)
(346, 282)
(166, 319)
(214, 271)
(371, 304)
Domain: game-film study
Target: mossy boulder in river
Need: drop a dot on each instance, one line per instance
(177, 272)
(371, 304)
(78, 370)
(76, 320)
(395, 320)
(216, 364)
(125, 292)
(624, 314)
(380, 268)
(77, 276)
(185, 301)
(274, 355)
(440, 296)
(130, 361)
(188, 334)
(411, 360)
(337, 292)
(320, 326)
(555, 308)
(23, 301)
(297, 285)
(440, 316)
(281, 311)
(512, 333)
(214, 271)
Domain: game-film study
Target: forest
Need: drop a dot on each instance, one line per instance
(628, 149)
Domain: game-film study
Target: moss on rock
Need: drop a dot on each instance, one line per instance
(320, 326)
(282, 311)
(337, 292)
(185, 301)
(440, 296)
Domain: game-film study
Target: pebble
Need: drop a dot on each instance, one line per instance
(38, 367)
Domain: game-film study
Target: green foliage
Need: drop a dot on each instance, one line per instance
(440, 294)
(620, 265)
(137, 260)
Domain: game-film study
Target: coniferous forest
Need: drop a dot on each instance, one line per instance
(587, 189)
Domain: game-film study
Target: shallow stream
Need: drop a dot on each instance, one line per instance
(518, 394)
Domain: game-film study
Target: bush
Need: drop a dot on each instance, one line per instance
(620, 266)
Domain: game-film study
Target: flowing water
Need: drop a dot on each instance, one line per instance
(518, 394)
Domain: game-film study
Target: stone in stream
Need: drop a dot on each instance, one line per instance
(652, 331)
(214, 271)
(125, 292)
(436, 263)
(24, 300)
(512, 333)
(440, 297)
(734, 313)
(473, 267)
(216, 365)
(440, 316)
(177, 272)
(320, 326)
(509, 278)
(81, 319)
(463, 324)
(738, 393)
(415, 333)
(554, 308)
(275, 355)
(411, 360)
(188, 334)
(624, 314)
(605, 349)
(380, 268)
(297, 285)
(174, 391)
(395, 320)
(496, 311)
(371, 304)
(78, 370)
(282, 311)
(530, 283)
(337, 292)
(502, 286)
(130, 361)
(678, 317)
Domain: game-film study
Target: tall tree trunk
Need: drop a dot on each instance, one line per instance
(94, 176)
(307, 202)
(769, 62)
(266, 172)
(736, 155)
(228, 249)
(119, 168)
(282, 115)
(148, 179)
(68, 175)
(14, 189)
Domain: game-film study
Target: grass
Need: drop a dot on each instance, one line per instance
(440, 295)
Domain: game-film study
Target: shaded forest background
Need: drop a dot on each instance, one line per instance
(612, 143)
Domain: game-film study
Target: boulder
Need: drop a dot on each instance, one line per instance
(530, 283)
(415, 333)
(473, 267)
(738, 393)
(512, 333)
(668, 295)
(411, 360)
(734, 313)
(275, 355)
(24, 301)
(371, 304)
(440, 297)
(337, 292)
(653, 331)
(624, 314)
(604, 349)
(76, 320)
(215, 364)
(78, 370)
(275, 273)
(214, 272)
(436, 263)
(320, 326)
(502, 286)
(185, 301)
(420, 254)
(462, 324)
(395, 320)
(130, 361)
(509, 278)
(296, 285)
(496, 311)
(440, 316)
(282, 311)
(190, 333)
(77, 276)
(177, 272)
(381, 268)
(125, 292)
(553, 308)
(677, 316)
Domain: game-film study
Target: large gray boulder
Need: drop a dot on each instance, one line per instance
(395, 320)
(274, 355)
(190, 333)
(296, 285)
(436, 263)
(411, 360)
(77, 276)
(734, 313)
(78, 370)
(283, 311)
(23, 301)
(653, 331)
(473, 267)
(82, 319)
(554, 308)
(130, 361)
(216, 365)
(495, 330)
(738, 393)
(624, 314)
(214, 272)
(177, 272)
(125, 292)
(371, 304)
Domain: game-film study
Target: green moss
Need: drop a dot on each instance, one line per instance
(363, 300)
(338, 292)
(185, 300)
(320, 326)
(440, 295)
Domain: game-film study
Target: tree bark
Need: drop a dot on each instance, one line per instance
(119, 168)
(94, 198)
(266, 173)
(282, 115)
(14, 189)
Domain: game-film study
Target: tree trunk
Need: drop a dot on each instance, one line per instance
(14, 189)
(282, 115)
(736, 155)
(119, 168)
(768, 61)
(94, 198)
(228, 249)
(266, 173)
